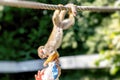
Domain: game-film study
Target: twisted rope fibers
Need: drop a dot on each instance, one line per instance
(37, 5)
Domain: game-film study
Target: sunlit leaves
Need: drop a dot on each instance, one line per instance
(111, 36)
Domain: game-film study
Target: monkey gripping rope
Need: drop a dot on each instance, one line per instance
(37, 5)
(52, 71)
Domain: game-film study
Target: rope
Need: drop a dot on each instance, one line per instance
(36, 5)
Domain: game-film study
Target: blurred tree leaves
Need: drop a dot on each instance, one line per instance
(23, 30)
(111, 36)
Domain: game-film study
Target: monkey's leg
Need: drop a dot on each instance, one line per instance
(62, 15)
(55, 18)
(67, 23)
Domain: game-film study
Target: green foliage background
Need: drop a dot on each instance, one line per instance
(22, 31)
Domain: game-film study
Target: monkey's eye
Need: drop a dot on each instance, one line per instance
(51, 51)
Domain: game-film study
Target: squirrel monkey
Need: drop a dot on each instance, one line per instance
(56, 35)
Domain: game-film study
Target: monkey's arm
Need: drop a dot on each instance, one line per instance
(67, 23)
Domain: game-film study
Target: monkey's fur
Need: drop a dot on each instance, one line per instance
(56, 35)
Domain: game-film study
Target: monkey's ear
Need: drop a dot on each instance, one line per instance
(40, 49)
(41, 53)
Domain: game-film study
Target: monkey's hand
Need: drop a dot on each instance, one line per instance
(73, 9)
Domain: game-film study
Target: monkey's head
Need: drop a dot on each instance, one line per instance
(41, 52)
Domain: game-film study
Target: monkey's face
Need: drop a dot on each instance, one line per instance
(41, 52)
